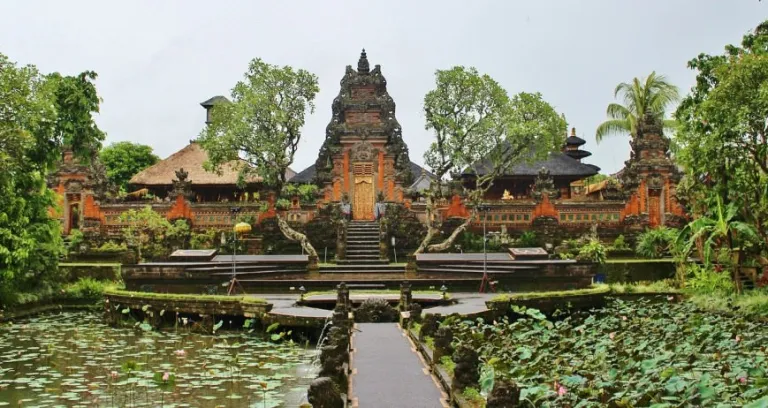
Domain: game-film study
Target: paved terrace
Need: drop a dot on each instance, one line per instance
(388, 372)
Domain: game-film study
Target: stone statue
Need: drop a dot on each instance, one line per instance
(544, 185)
(323, 393)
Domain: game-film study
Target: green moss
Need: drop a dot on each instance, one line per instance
(447, 363)
(473, 396)
(186, 297)
(430, 342)
(594, 290)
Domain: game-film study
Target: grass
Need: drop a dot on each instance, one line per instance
(662, 286)
(750, 303)
(642, 260)
(185, 297)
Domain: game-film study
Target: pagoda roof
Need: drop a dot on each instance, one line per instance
(558, 164)
(191, 158)
(214, 101)
(574, 141)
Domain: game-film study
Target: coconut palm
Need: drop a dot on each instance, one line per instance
(652, 95)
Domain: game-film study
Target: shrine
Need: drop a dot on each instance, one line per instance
(363, 154)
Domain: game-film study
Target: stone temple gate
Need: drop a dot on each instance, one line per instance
(363, 154)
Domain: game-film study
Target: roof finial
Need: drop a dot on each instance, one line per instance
(362, 64)
(573, 131)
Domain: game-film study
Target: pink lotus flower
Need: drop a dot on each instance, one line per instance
(561, 391)
(743, 380)
(180, 353)
(166, 376)
(738, 339)
(670, 298)
(612, 335)
(624, 318)
(114, 375)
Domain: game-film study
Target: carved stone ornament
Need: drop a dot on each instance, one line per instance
(182, 186)
(363, 151)
(544, 185)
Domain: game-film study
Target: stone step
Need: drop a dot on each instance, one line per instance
(357, 261)
(363, 251)
(378, 267)
(370, 235)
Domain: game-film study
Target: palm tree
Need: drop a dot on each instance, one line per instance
(652, 95)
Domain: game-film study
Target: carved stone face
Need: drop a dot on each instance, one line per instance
(363, 151)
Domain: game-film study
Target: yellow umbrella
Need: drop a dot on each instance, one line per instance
(242, 228)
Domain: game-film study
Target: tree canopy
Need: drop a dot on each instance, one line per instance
(476, 124)
(262, 126)
(723, 136)
(124, 159)
(653, 94)
(39, 115)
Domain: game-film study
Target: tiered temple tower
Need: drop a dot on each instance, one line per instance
(651, 177)
(363, 153)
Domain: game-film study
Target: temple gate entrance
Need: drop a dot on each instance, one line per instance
(363, 200)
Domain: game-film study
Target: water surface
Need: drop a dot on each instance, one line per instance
(73, 359)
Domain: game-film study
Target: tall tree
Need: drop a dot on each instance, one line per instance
(262, 126)
(39, 115)
(478, 128)
(124, 159)
(723, 136)
(653, 94)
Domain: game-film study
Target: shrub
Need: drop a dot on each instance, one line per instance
(112, 246)
(528, 240)
(85, 289)
(620, 244)
(203, 240)
(704, 279)
(592, 251)
(656, 243)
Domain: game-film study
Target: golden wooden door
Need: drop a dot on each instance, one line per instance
(362, 205)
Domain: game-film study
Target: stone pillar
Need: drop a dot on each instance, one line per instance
(467, 371)
(443, 339)
(406, 296)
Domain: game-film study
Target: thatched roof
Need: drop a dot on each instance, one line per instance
(191, 159)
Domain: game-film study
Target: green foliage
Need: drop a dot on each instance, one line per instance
(528, 239)
(447, 363)
(637, 353)
(474, 119)
(620, 244)
(473, 395)
(203, 240)
(723, 138)
(40, 115)
(262, 126)
(401, 223)
(86, 289)
(648, 96)
(718, 232)
(305, 192)
(283, 204)
(123, 160)
(705, 279)
(151, 234)
(592, 251)
(657, 242)
(111, 246)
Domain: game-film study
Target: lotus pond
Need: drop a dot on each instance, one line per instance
(629, 354)
(75, 360)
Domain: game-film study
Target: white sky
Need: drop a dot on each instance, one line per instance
(157, 60)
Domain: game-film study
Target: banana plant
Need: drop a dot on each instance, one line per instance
(717, 231)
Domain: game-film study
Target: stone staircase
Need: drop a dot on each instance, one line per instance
(363, 244)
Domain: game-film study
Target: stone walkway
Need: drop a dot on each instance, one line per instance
(388, 372)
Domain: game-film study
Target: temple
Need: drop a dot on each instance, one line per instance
(364, 160)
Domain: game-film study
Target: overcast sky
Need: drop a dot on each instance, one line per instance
(157, 60)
